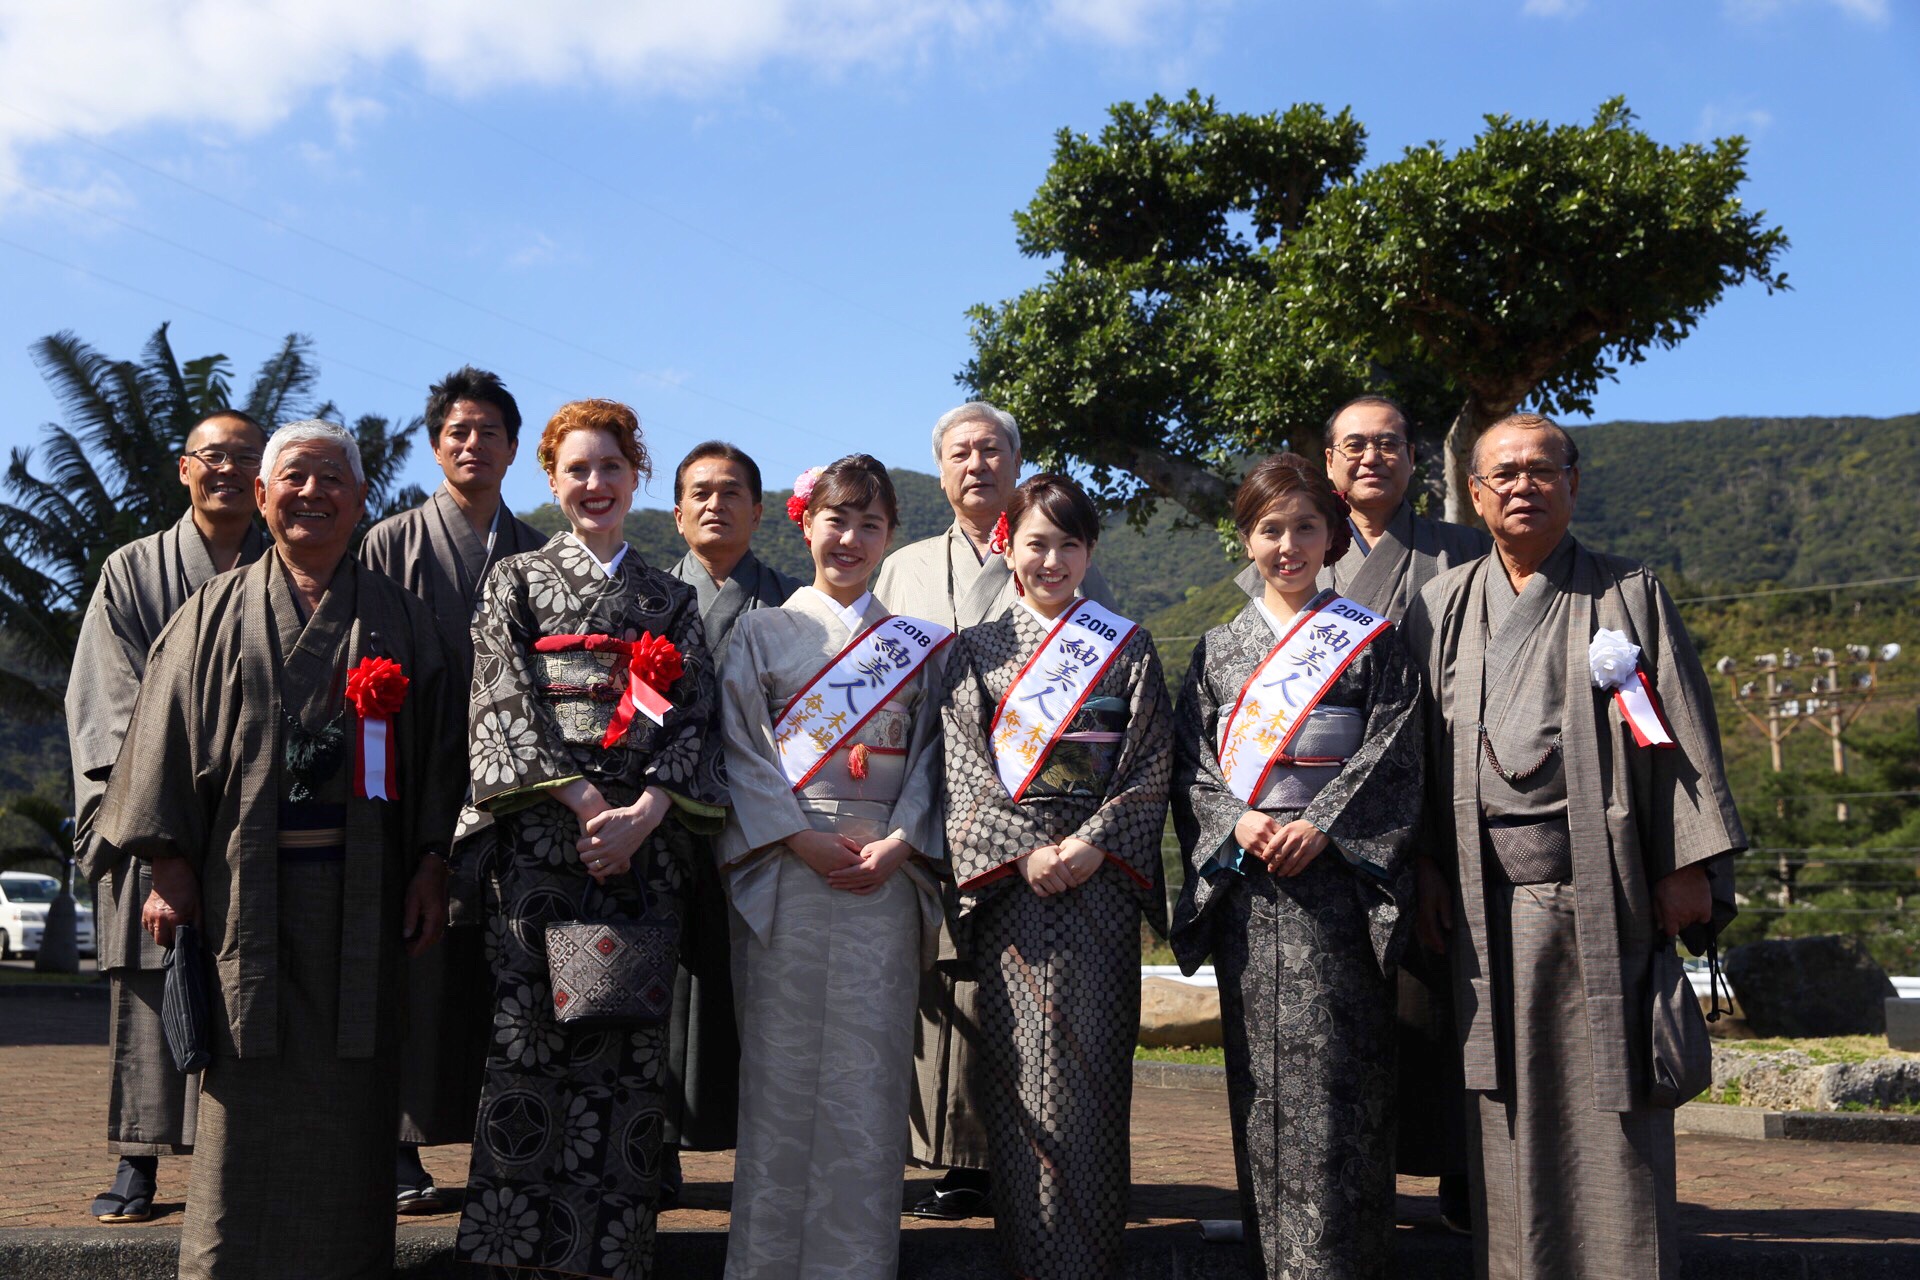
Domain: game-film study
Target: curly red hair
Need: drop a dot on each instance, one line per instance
(610, 416)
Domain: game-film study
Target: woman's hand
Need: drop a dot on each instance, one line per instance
(1255, 832)
(583, 798)
(877, 862)
(825, 852)
(1080, 859)
(613, 836)
(1045, 873)
(1294, 848)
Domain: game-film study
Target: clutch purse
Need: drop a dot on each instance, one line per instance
(613, 972)
(1682, 1058)
(183, 1002)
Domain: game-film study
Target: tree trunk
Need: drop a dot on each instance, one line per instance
(1474, 417)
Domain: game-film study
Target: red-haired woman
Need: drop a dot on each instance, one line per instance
(830, 718)
(1058, 749)
(1296, 787)
(585, 785)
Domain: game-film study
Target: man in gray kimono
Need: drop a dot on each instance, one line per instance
(442, 551)
(1394, 554)
(150, 1104)
(957, 579)
(716, 508)
(296, 809)
(1576, 851)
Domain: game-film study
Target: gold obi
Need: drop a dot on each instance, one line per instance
(885, 736)
(582, 689)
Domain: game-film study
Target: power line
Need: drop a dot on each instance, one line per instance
(1787, 591)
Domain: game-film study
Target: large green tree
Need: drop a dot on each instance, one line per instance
(1192, 319)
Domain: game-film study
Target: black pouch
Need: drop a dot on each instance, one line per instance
(184, 1004)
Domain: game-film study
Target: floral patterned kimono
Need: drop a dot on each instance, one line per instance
(1060, 975)
(566, 1153)
(1306, 962)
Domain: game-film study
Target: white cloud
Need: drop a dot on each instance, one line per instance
(96, 68)
(1552, 8)
(1876, 12)
(536, 252)
(1718, 119)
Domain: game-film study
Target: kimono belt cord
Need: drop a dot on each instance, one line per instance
(639, 691)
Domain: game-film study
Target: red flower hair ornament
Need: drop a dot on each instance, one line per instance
(802, 494)
(1001, 538)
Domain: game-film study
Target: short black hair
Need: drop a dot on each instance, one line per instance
(857, 480)
(238, 415)
(718, 449)
(469, 383)
(1064, 504)
(1385, 402)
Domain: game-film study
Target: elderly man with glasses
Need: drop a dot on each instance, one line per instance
(1576, 791)
(150, 1104)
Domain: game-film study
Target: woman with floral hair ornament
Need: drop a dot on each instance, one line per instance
(591, 745)
(829, 710)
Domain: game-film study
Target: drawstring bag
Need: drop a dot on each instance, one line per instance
(613, 972)
(183, 1002)
(1682, 1057)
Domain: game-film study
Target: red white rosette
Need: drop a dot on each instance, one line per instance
(653, 664)
(377, 688)
(1615, 663)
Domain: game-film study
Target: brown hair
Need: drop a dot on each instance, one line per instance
(1061, 501)
(610, 416)
(1273, 479)
(857, 480)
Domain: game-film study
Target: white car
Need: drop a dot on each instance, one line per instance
(24, 896)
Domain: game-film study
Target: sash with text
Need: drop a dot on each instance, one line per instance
(847, 691)
(1289, 683)
(1050, 689)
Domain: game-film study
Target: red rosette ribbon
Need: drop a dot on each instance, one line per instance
(1001, 538)
(653, 664)
(377, 688)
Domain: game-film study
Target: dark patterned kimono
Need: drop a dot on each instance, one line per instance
(1305, 963)
(566, 1153)
(1059, 976)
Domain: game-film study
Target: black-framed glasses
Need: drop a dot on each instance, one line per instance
(217, 458)
(1504, 480)
(1355, 447)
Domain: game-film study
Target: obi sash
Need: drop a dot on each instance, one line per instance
(577, 675)
(1286, 686)
(845, 694)
(1043, 699)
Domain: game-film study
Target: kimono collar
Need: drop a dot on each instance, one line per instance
(608, 567)
(1280, 628)
(1046, 623)
(852, 616)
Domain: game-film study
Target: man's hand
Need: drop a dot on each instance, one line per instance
(1681, 899)
(174, 900)
(613, 836)
(825, 852)
(1295, 847)
(423, 917)
(877, 863)
(1081, 859)
(1045, 873)
(1432, 905)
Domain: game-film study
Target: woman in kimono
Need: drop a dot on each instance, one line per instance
(595, 802)
(1058, 752)
(1296, 783)
(829, 716)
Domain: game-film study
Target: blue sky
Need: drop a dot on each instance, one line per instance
(764, 219)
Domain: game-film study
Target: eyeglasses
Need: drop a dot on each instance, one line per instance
(1355, 447)
(217, 458)
(1503, 480)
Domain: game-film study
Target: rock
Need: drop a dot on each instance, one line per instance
(1903, 1025)
(1174, 1014)
(1876, 1085)
(1778, 1080)
(1825, 986)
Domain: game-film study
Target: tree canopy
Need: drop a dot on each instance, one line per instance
(1220, 281)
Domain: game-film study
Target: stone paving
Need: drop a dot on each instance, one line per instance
(53, 1104)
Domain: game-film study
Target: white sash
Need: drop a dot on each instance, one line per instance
(847, 691)
(1287, 684)
(1043, 698)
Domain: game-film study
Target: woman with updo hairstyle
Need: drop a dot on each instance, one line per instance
(1296, 784)
(831, 723)
(1058, 752)
(592, 754)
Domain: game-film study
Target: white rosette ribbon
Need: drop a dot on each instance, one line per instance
(1614, 661)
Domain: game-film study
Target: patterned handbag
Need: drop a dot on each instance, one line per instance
(614, 972)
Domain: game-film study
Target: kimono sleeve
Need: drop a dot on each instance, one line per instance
(163, 808)
(765, 810)
(687, 761)
(917, 810)
(1204, 808)
(986, 832)
(437, 708)
(1371, 809)
(100, 701)
(1128, 823)
(515, 750)
(1422, 633)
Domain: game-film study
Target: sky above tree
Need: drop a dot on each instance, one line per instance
(764, 220)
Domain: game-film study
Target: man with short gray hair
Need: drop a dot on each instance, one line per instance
(957, 579)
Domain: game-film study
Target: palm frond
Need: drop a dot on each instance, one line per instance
(208, 384)
(284, 381)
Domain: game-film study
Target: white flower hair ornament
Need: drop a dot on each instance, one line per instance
(1614, 661)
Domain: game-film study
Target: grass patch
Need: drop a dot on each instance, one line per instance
(1898, 1108)
(1726, 1097)
(1190, 1057)
(1827, 1049)
(30, 978)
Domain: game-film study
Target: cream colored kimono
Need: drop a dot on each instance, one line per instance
(825, 980)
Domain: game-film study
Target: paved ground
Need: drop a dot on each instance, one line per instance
(53, 1082)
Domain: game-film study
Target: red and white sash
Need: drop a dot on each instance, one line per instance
(1288, 683)
(1043, 698)
(845, 693)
